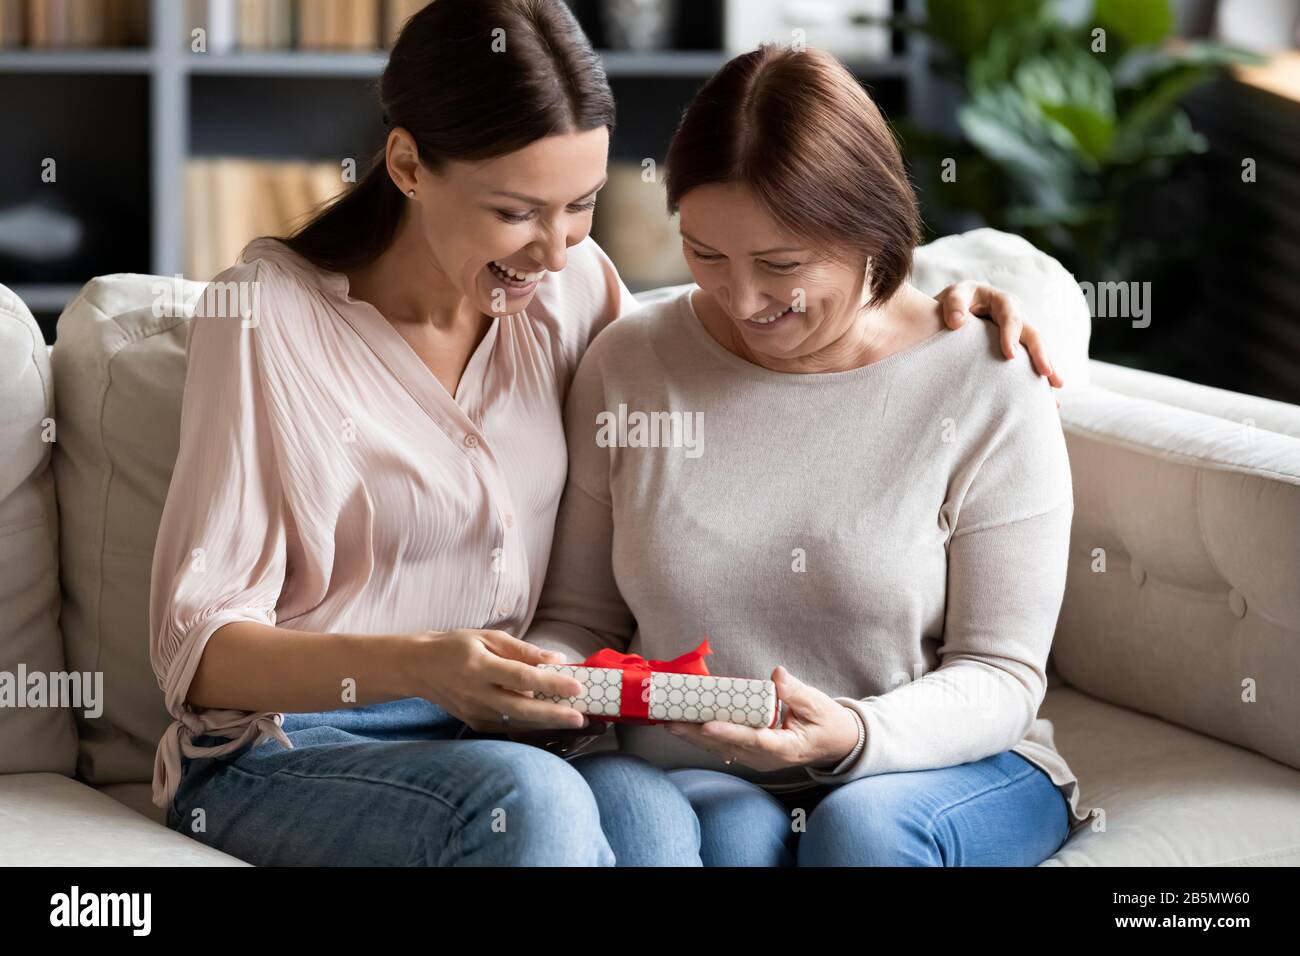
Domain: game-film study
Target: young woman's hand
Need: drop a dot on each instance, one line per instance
(974, 298)
(817, 730)
(482, 676)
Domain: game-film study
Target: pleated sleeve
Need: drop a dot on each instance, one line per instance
(220, 552)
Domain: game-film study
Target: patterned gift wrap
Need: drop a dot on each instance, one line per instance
(694, 698)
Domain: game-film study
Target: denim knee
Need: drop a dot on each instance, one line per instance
(646, 817)
(543, 807)
(850, 828)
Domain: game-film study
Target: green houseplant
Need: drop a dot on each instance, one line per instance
(1064, 126)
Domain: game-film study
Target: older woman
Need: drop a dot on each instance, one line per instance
(871, 510)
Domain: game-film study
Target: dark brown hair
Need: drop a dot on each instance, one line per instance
(802, 134)
(449, 83)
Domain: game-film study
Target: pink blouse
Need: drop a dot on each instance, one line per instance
(326, 481)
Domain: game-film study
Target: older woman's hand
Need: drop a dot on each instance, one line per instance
(1003, 308)
(817, 730)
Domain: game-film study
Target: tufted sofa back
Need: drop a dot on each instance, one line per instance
(1183, 592)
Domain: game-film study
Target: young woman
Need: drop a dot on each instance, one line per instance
(371, 458)
(876, 513)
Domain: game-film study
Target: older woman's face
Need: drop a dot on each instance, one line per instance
(785, 299)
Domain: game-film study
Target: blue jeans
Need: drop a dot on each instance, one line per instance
(402, 783)
(406, 783)
(1000, 811)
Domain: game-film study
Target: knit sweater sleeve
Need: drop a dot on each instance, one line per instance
(581, 609)
(1008, 514)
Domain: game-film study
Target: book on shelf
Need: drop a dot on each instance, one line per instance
(342, 25)
(396, 13)
(338, 24)
(11, 23)
(211, 25)
(230, 200)
(74, 24)
(228, 25)
(264, 24)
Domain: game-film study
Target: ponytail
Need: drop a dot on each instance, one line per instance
(349, 230)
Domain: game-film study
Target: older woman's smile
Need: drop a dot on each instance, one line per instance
(770, 320)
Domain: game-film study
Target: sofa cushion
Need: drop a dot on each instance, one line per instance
(119, 370)
(1181, 597)
(1171, 797)
(49, 820)
(31, 738)
(138, 797)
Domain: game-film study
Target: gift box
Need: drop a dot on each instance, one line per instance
(627, 688)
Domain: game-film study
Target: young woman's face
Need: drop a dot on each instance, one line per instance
(785, 300)
(495, 227)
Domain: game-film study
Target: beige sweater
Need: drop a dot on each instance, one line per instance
(895, 535)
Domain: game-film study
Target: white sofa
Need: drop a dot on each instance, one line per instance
(1173, 673)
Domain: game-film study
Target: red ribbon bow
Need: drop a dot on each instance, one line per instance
(636, 676)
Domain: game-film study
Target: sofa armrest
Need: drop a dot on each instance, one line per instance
(1181, 598)
(1265, 413)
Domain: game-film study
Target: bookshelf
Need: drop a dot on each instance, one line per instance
(166, 105)
(75, 61)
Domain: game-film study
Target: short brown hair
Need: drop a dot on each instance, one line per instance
(802, 134)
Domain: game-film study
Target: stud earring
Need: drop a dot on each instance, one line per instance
(411, 193)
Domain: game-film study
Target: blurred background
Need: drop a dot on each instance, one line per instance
(1151, 145)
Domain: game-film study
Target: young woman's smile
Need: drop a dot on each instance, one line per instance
(518, 282)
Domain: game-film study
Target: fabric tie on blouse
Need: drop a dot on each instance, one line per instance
(178, 741)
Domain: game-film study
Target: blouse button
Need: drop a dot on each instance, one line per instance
(503, 610)
(510, 520)
(471, 441)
